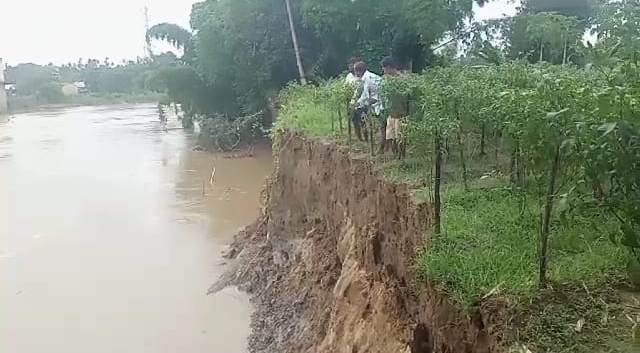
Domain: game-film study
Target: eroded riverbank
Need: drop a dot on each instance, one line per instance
(330, 267)
(108, 242)
(328, 264)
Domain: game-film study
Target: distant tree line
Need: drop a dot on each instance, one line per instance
(101, 77)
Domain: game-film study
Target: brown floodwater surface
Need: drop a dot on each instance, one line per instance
(111, 233)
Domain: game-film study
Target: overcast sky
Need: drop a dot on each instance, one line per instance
(61, 31)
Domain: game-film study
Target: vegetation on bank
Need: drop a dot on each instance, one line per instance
(489, 241)
(498, 209)
(535, 170)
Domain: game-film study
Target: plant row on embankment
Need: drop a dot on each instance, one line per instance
(535, 170)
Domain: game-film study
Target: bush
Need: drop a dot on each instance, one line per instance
(224, 134)
(51, 93)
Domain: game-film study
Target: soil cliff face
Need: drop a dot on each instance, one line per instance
(329, 263)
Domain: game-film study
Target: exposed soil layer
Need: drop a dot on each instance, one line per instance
(329, 263)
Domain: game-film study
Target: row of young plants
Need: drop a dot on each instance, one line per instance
(571, 135)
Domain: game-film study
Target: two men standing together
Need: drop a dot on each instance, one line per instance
(367, 100)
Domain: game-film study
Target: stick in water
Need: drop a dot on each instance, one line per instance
(212, 179)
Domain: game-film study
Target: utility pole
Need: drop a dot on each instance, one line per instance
(296, 48)
(3, 93)
(147, 45)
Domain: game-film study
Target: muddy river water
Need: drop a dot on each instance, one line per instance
(111, 233)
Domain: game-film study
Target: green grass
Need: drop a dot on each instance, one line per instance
(548, 323)
(306, 112)
(413, 170)
(489, 242)
(311, 120)
(490, 239)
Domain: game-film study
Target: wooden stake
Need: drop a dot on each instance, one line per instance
(437, 184)
(546, 221)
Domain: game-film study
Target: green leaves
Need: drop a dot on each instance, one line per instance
(630, 237)
(554, 115)
(607, 128)
(172, 33)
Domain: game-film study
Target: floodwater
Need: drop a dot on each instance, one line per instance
(111, 234)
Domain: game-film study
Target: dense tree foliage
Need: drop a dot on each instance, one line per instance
(29, 77)
(549, 31)
(242, 50)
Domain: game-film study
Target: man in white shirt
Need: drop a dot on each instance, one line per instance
(369, 101)
(356, 112)
(370, 96)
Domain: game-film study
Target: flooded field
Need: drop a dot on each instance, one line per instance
(111, 232)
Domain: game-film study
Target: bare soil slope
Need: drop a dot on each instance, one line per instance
(329, 263)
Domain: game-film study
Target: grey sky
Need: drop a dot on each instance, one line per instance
(61, 31)
(496, 9)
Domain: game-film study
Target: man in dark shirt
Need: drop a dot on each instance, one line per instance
(395, 111)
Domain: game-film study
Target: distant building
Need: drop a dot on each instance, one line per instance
(11, 89)
(82, 87)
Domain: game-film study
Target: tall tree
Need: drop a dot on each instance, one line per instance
(555, 33)
(528, 36)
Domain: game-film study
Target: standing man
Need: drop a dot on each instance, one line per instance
(369, 100)
(356, 112)
(351, 78)
(397, 109)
